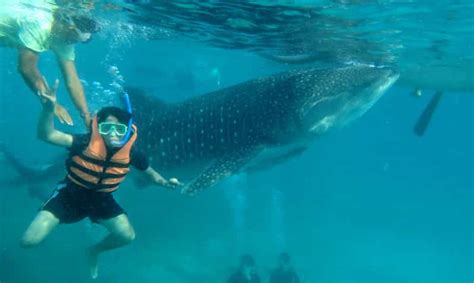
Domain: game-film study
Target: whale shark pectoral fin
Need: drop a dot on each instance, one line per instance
(221, 168)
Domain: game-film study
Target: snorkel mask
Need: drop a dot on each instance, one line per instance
(83, 36)
(80, 21)
(117, 132)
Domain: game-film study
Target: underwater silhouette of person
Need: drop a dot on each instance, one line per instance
(35, 28)
(246, 273)
(284, 272)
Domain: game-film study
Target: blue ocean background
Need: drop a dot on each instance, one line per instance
(369, 202)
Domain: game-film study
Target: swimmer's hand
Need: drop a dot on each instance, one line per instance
(48, 96)
(172, 183)
(49, 101)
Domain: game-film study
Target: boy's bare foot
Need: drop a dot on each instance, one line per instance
(92, 261)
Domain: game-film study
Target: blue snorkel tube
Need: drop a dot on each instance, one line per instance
(117, 84)
(128, 106)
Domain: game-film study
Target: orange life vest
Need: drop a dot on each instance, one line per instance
(93, 170)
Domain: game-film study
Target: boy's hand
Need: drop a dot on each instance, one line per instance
(49, 101)
(172, 183)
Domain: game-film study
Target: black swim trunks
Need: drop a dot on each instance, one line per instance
(71, 203)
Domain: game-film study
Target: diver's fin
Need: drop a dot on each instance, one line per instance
(220, 169)
(425, 117)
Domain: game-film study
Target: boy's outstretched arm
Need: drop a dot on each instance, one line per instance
(46, 130)
(157, 179)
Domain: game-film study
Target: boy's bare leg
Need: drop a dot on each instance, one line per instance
(39, 228)
(121, 234)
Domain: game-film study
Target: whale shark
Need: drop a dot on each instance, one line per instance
(255, 124)
(242, 128)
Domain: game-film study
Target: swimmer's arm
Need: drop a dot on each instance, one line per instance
(154, 176)
(157, 179)
(28, 68)
(46, 130)
(75, 89)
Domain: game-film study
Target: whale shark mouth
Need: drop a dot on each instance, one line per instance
(352, 108)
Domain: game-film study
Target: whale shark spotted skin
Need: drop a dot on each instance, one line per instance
(254, 124)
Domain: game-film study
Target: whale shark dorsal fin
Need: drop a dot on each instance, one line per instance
(223, 167)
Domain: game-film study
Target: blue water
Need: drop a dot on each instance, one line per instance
(370, 202)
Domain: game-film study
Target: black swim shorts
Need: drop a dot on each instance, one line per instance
(71, 203)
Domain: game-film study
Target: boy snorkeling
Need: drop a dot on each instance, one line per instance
(98, 162)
